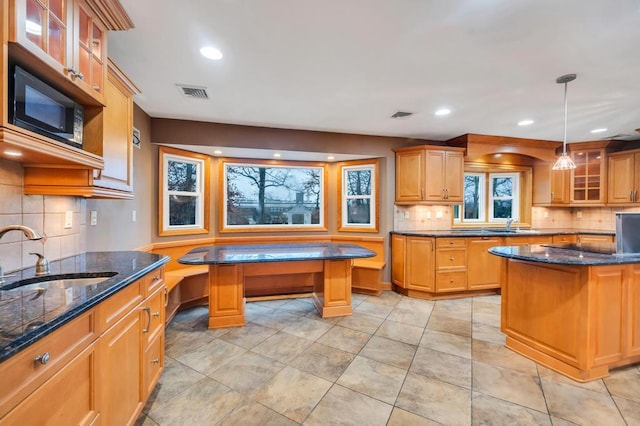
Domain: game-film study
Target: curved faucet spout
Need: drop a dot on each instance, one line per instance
(31, 234)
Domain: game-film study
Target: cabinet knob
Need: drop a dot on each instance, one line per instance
(156, 314)
(452, 258)
(155, 361)
(42, 359)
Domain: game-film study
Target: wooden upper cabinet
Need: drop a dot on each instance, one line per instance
(589, 177)
(429, 174)
(623, 178)
(63, 36)
(115, 147)
(550, 186)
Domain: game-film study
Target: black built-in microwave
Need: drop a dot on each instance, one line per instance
(37, 106)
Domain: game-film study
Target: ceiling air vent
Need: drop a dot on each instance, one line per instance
(195, 92)
(401, 114)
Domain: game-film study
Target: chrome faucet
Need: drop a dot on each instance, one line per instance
(31, 234)
(508, 224)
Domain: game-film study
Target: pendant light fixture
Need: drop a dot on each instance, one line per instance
(565, 162)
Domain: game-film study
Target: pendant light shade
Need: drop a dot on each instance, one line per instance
(565, 162)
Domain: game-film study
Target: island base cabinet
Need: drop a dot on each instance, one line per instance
(576, 320)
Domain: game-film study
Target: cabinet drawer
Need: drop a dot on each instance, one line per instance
(592, 238)
(117, 306)
(154, 280)
(451, 281)
(24, 372)
(564, 239)
(454, 258)
(153, 319)
(450, 242)
(153, 364)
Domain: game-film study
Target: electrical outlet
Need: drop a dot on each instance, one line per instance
(439, 214)
(427, 215)
(546, 214)
(133, 216)
(94, 218)
(579, 215)
(68, 219)
(406, 215)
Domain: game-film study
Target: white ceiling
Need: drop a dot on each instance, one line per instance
(348, 65)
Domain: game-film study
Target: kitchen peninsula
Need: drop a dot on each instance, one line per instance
(572, 308)
(325, 266)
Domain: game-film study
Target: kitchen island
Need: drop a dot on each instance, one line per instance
(326, 266)
(572, 308)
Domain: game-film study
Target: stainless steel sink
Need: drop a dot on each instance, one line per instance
(59, 281)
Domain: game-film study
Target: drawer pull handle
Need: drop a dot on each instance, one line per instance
(156, 361)
(156, 278)
(42, 359)
(451, 281)
(148, 311)
(452, 258)
(166, 296)
(156, 314)
(450, 242)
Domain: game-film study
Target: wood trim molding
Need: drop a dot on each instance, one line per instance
(112, 14)
(376, 185)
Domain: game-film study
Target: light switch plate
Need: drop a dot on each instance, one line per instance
(134, 216)
(94, 218)
(68, 219)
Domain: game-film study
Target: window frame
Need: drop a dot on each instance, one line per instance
(525, 182)
(166, 154)
(374, 208)
(223, 187)
(515, 201)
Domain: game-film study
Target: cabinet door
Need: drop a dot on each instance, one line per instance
(483, 268)
(434, 189)
(409, 176)
(69, 397)
(90, 47)
(550, 186)
(587, 179)
(120, 362)
(633, 322)
(117, 149)
(620, 185)
(45, 29)
(420, 264)
(559, 186)
(454, 176)
(398, 260)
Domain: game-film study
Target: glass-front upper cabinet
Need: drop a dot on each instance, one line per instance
(90, 47)
(43, 27)
(587, 179)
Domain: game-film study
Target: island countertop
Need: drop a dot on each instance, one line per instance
(28, 314)
(569, 254)
(259, 253)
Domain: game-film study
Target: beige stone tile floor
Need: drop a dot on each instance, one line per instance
(395, 361)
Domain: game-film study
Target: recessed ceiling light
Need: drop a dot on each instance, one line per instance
(211, 52)
(331, 157)
(217, 152)
(600, 130)
(12, 153)
(525, 122)
(277, 155)
(443, 111)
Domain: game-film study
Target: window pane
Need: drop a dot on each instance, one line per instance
(182, 210)
(472, 197)
(182, 176)
(502, 187)
(359, 211)
(502, 209)
(359, 182)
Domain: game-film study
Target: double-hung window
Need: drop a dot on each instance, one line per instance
(359, 190)
(489, 197)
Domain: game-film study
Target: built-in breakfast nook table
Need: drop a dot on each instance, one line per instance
(324, 266)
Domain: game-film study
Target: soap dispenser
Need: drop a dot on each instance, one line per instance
(42, 265)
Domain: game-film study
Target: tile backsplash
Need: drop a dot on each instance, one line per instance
(45, 214)
(434, 218)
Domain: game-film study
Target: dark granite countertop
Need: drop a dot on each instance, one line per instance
(259, 253)
(570, 254)
(27, 314)
(500, 232)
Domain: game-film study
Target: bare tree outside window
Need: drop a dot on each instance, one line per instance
(260, 195)
(359, 196)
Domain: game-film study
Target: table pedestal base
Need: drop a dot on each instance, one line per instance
(331, 284)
